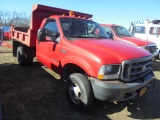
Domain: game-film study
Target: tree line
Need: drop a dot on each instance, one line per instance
(18, 19)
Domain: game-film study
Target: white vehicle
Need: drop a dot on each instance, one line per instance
(149, 30)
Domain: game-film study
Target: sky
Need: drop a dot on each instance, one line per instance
(121, 12)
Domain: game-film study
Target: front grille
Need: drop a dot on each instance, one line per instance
(136, 68)
(151, 48)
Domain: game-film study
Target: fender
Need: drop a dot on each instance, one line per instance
(90, 66)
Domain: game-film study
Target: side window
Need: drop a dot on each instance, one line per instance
(51, 25)
(154, 31)
(151, 30)
(140, 29)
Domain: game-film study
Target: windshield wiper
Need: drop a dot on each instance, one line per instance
(99, 37)
(70, 37)
(86, 36)
(124, 35)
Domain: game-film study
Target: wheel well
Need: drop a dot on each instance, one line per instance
(71, 68)
(15, 46)
(30, 51)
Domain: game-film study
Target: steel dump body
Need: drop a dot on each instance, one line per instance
(28, 36)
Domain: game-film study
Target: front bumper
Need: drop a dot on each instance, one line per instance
(119, 91)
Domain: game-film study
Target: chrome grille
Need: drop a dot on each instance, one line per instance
(151, 48)
(136, 68)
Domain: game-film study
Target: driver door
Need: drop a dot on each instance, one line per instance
(47, 50)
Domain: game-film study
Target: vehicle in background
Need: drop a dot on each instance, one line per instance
(149, 31)
(1, 36)
(7, 32)
(78, 50)
(119, 33)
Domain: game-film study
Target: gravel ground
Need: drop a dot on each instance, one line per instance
(37, 93)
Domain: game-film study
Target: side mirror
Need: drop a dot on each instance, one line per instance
(57, 34)
(41, 35)
(111, 35)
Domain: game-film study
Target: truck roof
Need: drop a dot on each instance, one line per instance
(39, 12)
(109, 25)
(61, 16)
(154, 23)
(150, 25)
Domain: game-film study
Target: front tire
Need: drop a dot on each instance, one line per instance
(79, 92)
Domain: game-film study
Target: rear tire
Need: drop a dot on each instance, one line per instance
(23, 59)
(79, 92)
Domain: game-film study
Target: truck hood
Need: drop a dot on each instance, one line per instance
(136, 41)
(111, 51)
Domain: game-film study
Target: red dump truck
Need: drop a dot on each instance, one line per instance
(7, 32)
(77, 48)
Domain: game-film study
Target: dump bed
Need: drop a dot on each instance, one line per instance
(28, 36)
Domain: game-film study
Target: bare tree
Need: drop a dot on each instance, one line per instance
(5, 17)
(14, 18)
(23, 20)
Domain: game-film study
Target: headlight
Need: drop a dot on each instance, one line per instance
(109, 72)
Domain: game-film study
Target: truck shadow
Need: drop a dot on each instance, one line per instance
(36, 93)
(156, 65)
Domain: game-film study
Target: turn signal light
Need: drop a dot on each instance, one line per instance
(71, 13)
(100, 76)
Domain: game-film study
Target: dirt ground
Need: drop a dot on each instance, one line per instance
(36, 93)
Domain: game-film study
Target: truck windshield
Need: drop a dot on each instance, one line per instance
(81, 28)
(121, 31)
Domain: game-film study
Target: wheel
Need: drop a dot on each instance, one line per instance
(79, 92)
(23, 59)
(29, 60)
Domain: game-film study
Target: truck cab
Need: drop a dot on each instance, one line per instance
(149, 31)
(78, 49)
(119, 33)
(7, 33)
